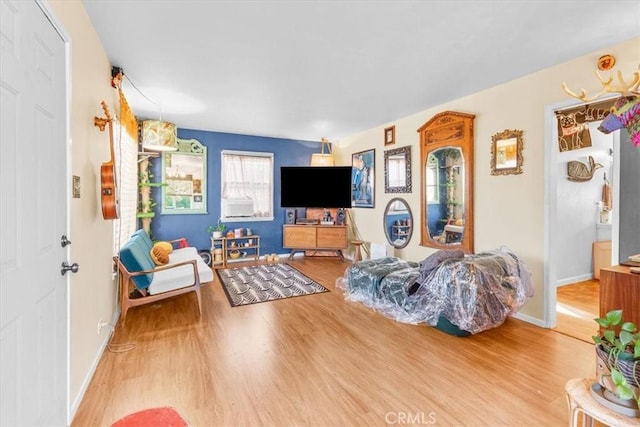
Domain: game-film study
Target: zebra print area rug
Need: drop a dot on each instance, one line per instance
(266, 282)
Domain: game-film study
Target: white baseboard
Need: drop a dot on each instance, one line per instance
(94, 365)
(574, 279)
(532, 320)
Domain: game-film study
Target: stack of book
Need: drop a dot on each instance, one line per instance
(634, 263)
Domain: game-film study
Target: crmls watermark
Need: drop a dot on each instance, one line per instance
(413, 418)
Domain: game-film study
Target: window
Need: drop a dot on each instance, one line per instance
(433, 195)
(126, 161)
(247, 186)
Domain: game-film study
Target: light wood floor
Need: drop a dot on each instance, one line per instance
(320, 361)
(577, 306)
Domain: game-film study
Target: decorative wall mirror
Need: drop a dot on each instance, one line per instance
(506, 152)
(446, 165)
(397, 170)
(398, 222)
(184, 175)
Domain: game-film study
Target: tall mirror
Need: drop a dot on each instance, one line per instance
(398, 222)
(397, 170)
(184, 178)
(446, 164)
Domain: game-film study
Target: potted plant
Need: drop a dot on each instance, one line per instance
(618, 362)
(217, 230)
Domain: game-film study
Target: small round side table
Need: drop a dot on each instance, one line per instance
(358, 255)
(580, 400)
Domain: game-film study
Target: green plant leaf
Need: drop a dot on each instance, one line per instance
(602, 322)
(636, 348)
(625, 337)
(625, 392)
(610, 336)
(614, 317)
(617, 377)
(629, 327)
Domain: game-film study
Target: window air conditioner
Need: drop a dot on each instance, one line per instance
(234, 208)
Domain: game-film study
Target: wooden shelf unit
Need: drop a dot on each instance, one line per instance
(310, 237)
(249, 245)
(217, 245)
(399, 231)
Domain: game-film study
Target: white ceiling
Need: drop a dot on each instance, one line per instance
(312, 69)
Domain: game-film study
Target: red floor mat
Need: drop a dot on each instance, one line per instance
(155, 417)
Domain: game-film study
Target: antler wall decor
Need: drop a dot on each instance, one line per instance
(624, 88)
(626, 110)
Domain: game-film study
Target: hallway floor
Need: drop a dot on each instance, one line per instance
(577, 306)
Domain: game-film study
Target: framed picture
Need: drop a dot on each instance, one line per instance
(390, 135)
(183, 174)
(506, 152)
(363, 179)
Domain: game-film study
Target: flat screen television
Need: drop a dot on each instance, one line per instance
(315, 187)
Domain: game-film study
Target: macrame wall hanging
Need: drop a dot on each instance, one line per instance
(573, 124)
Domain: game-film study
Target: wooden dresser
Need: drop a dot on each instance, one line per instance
(300, 238)
(620, 289)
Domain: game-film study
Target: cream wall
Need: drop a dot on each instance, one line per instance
(92, 291)
(509, 210)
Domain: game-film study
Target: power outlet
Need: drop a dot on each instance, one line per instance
(101, 324)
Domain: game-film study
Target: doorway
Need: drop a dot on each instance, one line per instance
(574, 222)
(576, 307)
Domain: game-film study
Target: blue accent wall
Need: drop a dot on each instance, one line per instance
(286, 152)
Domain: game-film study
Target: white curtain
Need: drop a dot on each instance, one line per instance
(126, 166)
(249, 176)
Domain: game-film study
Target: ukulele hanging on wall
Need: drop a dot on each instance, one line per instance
(108, 191)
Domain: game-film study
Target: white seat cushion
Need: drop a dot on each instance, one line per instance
(180, 277)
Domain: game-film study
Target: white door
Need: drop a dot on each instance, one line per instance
(33, 217)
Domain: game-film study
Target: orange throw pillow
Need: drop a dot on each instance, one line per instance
(165, 245)
(159, 255)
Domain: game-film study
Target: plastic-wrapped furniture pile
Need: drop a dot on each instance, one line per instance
(456, 293)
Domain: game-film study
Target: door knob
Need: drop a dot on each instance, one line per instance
(66, 267)
(64, 241)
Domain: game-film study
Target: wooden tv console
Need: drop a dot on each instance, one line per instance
(620, 289)
(309, 237)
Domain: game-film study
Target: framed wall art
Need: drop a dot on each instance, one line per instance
(390, 135)
(184, 174)
(506, 152)
(363, 179)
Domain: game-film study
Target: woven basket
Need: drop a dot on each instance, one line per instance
(628, 367)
